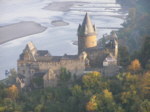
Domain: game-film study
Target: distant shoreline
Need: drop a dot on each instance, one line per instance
(18, 30)
(59, 23)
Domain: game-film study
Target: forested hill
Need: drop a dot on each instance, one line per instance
(137, 25)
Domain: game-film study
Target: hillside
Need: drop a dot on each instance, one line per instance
(136, 27)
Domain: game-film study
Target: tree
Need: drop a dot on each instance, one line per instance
(135, 66)
(124, 55)
(90, 80)
(38, 108)
(132, 14)
(77, 95)
(64, 75)
(145, 106)
(76, 90)
(89, 107)
(145, 52)
(12, 77)
(8, 105)
(108, 95)
(75, 77)
(12, 92)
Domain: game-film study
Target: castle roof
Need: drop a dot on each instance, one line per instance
(110, 58)
(69, 57)
(31, 49)
(94, 49)
(48, 58)
(87, 29)
(21, 76)
(43, 53)
(30, 46)
(39, 74)
(115, 36)
(115, 42)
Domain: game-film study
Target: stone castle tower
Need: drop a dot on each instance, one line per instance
(87, 35)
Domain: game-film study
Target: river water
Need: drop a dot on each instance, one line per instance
(58, 40)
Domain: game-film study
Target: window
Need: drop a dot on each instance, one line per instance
(92, 42)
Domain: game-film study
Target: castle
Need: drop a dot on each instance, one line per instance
(40, 63)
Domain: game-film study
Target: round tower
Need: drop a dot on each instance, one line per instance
(87, 35)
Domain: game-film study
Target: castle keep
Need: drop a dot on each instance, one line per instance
(87, 35)
(33, 62)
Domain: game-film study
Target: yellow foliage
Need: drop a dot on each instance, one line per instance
(91, 105)
(93, 100)
(107, 94)
(135, 66)
(12, 92)
(125, 97)
(91, 79)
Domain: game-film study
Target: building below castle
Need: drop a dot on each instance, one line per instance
(40, 63)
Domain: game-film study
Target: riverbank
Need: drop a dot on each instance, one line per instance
(18, 30)
(62, 6)
(59, 23)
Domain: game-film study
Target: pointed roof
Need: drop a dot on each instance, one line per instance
(115, 36)
(115, 42)
(30, 46)
(87, 28)
(31, 49)
(109, 58)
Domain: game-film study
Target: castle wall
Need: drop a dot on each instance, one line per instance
(24, 69)
(81, 44)
(49, 80)
(74, 66)
(114, 52)
(110, 70)
(96, 57)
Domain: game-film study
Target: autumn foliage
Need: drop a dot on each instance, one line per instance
(135, 66)
(90, 80)
(12, 92)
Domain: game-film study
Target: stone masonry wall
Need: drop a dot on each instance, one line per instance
(86, 42)
(97, 57)
(74, 66)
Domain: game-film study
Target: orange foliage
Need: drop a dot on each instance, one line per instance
(90, 107)
(135, 66)
(12, 92)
